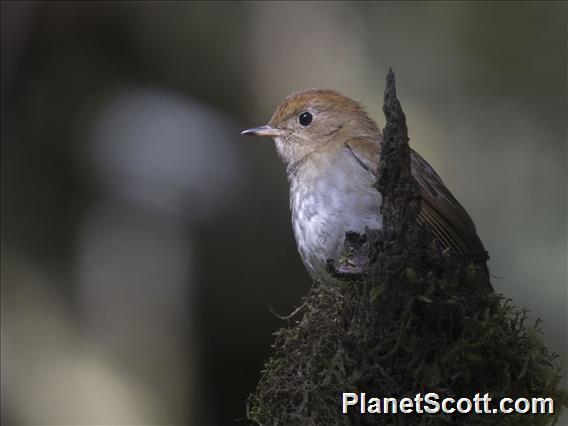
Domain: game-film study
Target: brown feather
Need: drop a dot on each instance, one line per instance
(322, 100)
(444, 216)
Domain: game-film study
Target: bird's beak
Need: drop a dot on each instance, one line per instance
(262, 131)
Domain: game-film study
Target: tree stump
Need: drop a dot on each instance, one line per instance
(410, 320)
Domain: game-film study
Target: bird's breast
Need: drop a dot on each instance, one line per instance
(327, 199)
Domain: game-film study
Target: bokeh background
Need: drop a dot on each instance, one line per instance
(144, 240)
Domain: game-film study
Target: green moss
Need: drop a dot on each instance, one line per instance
(422, 333)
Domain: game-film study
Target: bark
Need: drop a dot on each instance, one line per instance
(404, 319)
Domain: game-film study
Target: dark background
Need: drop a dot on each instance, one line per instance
(144, 240)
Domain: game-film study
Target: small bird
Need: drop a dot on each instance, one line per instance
(331, 148)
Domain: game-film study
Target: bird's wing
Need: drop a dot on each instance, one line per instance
(444, 216)
(366, 152)
(441, 212)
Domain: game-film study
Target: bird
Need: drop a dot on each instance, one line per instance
(332, 148)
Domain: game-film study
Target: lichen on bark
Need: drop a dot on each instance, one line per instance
(414, 320)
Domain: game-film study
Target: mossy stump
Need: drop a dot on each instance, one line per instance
(412, 320)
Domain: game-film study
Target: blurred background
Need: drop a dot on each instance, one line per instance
(144, 240)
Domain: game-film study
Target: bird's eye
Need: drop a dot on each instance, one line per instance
(305, 119)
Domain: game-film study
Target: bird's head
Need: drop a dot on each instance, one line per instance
(313, 119)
